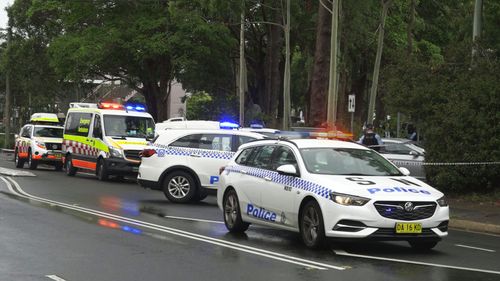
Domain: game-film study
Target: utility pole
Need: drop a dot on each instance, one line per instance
(242, 66)
(6, 112)
(331, 118)
(476, 28)
(373, 92)
(286, 82)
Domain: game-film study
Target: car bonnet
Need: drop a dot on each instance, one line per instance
(379, 187)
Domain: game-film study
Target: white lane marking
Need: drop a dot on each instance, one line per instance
(192, 219)
(344, 253)
(182, 233)
(475, 248)
(475, 232)
(55, 277)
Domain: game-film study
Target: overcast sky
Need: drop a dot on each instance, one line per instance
(3, 13)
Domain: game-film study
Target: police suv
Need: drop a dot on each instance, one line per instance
(39, 141)
(327, 188)
(183, 163)
(106, 138)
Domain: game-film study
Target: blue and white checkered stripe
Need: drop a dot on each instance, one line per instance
(283, 179)
(186, 151)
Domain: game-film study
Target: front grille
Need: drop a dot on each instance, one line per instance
(390, 233)
(396, 210)
(132, 154)
(53, 146)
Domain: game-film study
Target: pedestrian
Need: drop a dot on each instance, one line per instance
(370, 138)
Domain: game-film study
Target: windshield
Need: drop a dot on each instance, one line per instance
(128, 126)
(48, 132)
(347, 161)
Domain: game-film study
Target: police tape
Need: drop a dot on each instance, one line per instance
(415, 163)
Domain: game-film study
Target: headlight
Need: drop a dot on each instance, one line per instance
(442, 202)
(348, 200)
(115, 152)
(40, 144)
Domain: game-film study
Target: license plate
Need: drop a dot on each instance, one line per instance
(405, 227)
(58, 156)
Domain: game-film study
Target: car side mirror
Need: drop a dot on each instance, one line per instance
(16, 136)
(288, 170)
(405, 171)
(414, 154)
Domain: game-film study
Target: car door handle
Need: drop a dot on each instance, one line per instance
(195, 155)
(243, 172)
(268, 178)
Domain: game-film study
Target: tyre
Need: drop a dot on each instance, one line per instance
(179, 187)
(19, 162)
(70, 169)
(58, 166)
(423, 245)
(102, 170)
(312, 228)
(32, 164)
(232, 213)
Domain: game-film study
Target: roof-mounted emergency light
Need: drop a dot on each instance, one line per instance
(135, 107)
(228, 125)
(110, 105)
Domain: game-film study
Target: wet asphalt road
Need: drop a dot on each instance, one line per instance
(117, 230)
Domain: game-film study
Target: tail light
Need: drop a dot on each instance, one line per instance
(221, 170)
(147, 152)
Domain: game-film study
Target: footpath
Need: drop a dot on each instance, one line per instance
(470, 215)
(465, 214)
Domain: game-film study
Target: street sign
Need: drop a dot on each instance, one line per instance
(351, 104)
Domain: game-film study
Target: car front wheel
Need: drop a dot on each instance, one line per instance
(70, 169)
(232, 213)
(32, 164)
(312, 227)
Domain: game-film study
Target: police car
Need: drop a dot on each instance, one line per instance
(183, 163)
(328, 188)
(106, 138)
(39, 142)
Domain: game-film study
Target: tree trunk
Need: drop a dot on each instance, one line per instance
(273, 75)
(319, 84)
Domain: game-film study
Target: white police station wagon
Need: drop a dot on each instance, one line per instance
(325, 188)
(183, 163)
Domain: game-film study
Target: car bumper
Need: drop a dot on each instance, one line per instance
(48, 156)
(149, 184)
(121, 167)
(364, 222)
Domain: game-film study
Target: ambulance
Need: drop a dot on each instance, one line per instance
(106, 138)
(39, 141)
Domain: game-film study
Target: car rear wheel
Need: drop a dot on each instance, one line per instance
(423, 245)
(32, 164)
(312, 227)
(232, 213)
(70, 169)
(102, 170)
(179, 187)
(19, 162)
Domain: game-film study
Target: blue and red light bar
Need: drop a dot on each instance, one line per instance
(117, 106)
(110, 105)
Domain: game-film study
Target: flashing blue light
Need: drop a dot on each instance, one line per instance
(135, 107)
(228, 125)
(131, 229)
